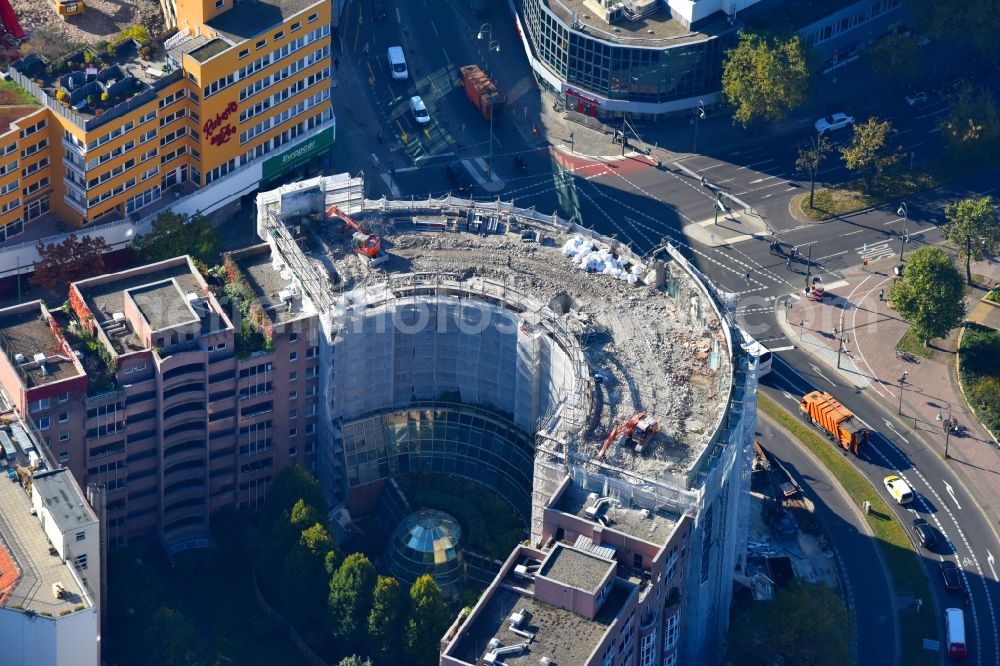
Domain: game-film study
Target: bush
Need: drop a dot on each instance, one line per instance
(980, 373)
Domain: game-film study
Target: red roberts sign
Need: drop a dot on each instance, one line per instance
(225, 132)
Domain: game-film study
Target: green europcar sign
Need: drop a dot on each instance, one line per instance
(297, 155)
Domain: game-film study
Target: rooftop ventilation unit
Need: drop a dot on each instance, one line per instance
(20, 359)
(285, 296)
(119, 317)
(39, 357)
(517, 619)
(544, 661)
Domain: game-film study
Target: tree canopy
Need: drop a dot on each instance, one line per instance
(174, 235)
(173, 640)
(895, 56)
(977, 24)
(429, 619)
(805, 623)
(350, 601)
(931, 294)
(764, 79)
(75, 258)
(810, 158)
(386, 620)
(354, 660)
(869, 151)
(972, 120)
(972, 227)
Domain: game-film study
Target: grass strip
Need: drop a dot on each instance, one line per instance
(835, 201)
(911, 343)
(908, 577)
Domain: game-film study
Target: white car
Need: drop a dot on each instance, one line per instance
(834, 121)
(916, 97)
(419, 110)
(899, 489)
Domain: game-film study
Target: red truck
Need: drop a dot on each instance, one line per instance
(481, 91)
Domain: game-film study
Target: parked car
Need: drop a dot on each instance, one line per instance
(949, 572)
(459, 178)
(379, 11)
(419, 110)
(899, 489)
(925, 533)
(834, 121)
(916, 97)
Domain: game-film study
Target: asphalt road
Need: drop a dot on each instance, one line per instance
(864, 584)
(968, 537)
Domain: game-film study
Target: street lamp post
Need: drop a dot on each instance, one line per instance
(492, 46)
(903, 212)
(842, 341)
(697, 121)
(948, 424)
(902, 382)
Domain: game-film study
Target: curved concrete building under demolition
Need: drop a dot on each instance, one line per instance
(605, 395)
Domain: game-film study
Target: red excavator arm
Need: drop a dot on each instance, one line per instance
(647, 426)
(364, 243)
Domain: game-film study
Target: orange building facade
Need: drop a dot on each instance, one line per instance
(119, 129)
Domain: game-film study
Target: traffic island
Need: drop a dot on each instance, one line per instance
(909, 580)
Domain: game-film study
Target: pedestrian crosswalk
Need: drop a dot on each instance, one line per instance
(875, 251)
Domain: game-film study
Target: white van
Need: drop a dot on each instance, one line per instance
(954, 629)
(397, 63)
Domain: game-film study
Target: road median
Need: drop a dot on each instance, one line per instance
(908, 577)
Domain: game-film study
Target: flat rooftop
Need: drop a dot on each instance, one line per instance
(564, 637)
(209, 50)
(24, 542)
(658, 28)
(28, 334)
(61, 499)
(652, 525)
(249, 19)
(268, 283)
(576, 568)
(162, 304)
(159, 304)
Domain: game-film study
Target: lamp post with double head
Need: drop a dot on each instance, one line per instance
(699, 116)
(902, 212)
(949, 424)
(492, 46)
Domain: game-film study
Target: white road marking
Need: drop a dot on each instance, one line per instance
(434, 28)
(891, 427)
(951, 491)
(787, 395)
(851, 233)
(820, 373)
(446, 56)
(989, 560)
(399, 18)
(835, 254)
(781, 349)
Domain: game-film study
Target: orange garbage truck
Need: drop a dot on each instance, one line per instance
(824, 411)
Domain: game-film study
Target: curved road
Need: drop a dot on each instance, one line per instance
(969, 538)
(865, 585)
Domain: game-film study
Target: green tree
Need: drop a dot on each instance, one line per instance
(171, 639)
(355, 660)
(896, 56)
(303, 565)
(931, 294)
(350, 600)
(75, 258)
(293, 483)
(869, 151)
(386, 621)
(810, 158)
(764, 79)
(174, 235)
(972, 119)
(805, 623)
(429, 619)
(977, 24)
(972, 226)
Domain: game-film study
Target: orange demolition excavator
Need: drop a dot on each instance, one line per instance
(368, 246)
(637, 429)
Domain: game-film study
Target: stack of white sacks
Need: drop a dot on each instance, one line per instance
(588, 256)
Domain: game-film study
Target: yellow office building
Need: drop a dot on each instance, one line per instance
(239, 85)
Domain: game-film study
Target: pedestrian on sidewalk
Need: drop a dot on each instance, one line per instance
(748, 277)
(881, 295)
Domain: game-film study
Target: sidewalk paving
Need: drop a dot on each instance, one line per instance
(869, 362)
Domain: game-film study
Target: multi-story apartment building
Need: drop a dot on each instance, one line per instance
(604, 590)
(147, 388)
(121, 128)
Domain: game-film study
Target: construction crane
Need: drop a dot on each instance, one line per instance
(368, 246)
(638, 429)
